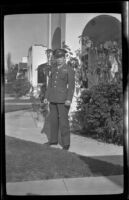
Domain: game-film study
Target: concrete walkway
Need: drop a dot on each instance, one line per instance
(21, 124)
(69, 186)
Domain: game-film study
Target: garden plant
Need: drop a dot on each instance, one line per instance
(100, 106)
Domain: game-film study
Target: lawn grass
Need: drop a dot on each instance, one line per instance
(31, 161)
(16, 100)
(12, 104)
(12, 108)
(27, 161)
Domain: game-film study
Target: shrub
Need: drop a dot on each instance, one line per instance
(21, 87)
(100, 112)
(8, 88)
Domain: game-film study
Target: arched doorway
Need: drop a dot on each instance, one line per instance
(56, 40)
(103, 28)
(99, 30)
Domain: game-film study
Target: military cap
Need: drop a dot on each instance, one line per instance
(49, 51)
(58, 53)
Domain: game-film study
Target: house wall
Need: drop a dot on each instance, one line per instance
(71, 25)
(63, 28)
(38, 57)
(75, 24)
(55, 24)
(58, 21)
(29, 64)
(24, 60)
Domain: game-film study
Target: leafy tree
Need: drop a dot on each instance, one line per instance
(11, 74)
(9, 62)
(12, 69)
(21, 87)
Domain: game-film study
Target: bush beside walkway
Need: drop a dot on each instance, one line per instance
(15, 104)
(12, 108)
(100, 113)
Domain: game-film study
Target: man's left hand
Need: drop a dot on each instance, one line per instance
(67, 103)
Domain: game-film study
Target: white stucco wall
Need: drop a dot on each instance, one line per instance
(38, 57)
(58, 20)
(29, 65)
(75, 24)
(63, 23)
(24, 59)
(55, 22)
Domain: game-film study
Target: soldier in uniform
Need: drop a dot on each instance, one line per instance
(43, 73)
(60, 93)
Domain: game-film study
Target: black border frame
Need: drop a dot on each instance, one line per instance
(66, 7)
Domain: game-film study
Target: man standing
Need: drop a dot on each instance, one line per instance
(43, 73)
(60, 93)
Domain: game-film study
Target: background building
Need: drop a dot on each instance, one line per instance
(24, 59)
(22, 68)
(36, 56)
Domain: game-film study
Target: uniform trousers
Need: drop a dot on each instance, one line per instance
(59, 120)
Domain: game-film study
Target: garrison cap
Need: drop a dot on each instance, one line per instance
(58, 53)
(49, 51)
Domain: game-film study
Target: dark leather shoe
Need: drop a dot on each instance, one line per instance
(53, 143)
(50, 143)
(42, 131)
(66, 148)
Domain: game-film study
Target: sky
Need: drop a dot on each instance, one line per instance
(22, 31)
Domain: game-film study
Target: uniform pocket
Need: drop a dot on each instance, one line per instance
(62, 90)
(63, 75)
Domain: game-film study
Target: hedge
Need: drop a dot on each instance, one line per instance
(100, 112)
(21, 87)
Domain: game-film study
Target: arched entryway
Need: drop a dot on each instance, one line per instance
(56, 40)
(103, 28)
(99, 30)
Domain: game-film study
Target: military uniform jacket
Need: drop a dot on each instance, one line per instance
(61, 84)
